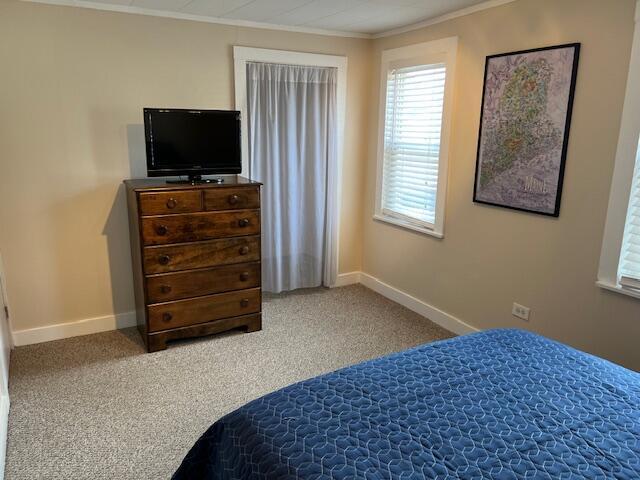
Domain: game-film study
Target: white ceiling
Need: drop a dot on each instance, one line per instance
(353, 16)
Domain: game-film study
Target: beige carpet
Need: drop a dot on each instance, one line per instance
(98, 407)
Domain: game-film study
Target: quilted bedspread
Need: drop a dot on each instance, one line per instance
(500, 404)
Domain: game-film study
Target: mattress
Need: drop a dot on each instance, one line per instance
(500, 404)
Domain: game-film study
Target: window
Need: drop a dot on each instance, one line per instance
(620, 258)
(413, 124)
(629, 269)
(415, 104)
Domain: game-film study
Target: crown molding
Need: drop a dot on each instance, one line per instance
(198, 18)
(269, 26)
(443, 18)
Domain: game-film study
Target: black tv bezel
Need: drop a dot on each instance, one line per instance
(195, 171)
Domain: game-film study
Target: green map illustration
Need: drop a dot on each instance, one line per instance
(524, 116)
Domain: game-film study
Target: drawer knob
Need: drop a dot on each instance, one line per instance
(243, 222)
(244, 276)
(172, 203)
(166, 317)
(164, 259)
(165, 288)
(233, 199)
(244, 302)
(161, 230)
(244, 250)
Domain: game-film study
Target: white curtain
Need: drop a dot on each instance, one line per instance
(292, 137)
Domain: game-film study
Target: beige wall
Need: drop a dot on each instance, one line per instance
(73, 85)
(491, 257)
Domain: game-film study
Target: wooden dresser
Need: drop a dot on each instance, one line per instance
(196, 258)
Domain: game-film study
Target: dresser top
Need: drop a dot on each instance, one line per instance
(161, 183)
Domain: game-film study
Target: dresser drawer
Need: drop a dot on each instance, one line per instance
(199, 226)
(231, 198)
(181, 313)
(196, 283)
(170, 202)
(225, 251)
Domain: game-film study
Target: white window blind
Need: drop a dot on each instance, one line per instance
(630, 255)
(412, 129)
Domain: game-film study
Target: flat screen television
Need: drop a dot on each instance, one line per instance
(192, 142)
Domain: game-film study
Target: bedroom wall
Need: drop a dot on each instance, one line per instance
(491, 257)
(74, 82)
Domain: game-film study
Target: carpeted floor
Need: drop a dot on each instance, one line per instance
(98, 407)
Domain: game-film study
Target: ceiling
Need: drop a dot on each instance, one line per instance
(350, 16)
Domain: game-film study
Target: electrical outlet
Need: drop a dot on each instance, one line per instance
(520, 311)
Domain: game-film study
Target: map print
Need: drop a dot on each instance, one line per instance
(524, 120)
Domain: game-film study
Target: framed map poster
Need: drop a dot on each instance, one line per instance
(524, 128)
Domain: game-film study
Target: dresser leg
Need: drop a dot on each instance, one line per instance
(156, 343)
(254, 325)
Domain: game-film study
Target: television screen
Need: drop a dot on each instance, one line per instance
(192, 142)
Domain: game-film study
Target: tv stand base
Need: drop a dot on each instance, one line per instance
(196, 181)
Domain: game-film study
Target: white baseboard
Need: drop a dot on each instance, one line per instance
(74, 329)
(349, 278)
(434, 314)
(128, 319)
(4, 428)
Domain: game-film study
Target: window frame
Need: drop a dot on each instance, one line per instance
(427, 53)
(627, 154)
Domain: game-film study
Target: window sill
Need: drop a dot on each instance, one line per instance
(618, 289)
(408, 226)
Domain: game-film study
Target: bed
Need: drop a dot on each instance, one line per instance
(500, 404)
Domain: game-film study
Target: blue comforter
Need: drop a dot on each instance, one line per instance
(500, 404)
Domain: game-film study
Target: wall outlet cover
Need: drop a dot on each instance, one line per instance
(520, 311)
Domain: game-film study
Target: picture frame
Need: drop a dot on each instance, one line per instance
(527, 103)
